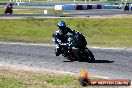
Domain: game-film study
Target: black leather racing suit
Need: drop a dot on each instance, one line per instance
(61, 37)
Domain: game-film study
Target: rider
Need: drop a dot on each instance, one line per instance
(61, 36)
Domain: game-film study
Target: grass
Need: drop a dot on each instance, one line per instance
(98, 32)
(12, 78)
(26, 78)
(37, 11)
(23, 11)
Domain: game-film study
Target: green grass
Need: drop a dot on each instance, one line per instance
(23, 78)
(24, 11)
(37, 11)
(61, 80)
(98, 32)
(10, 83)
(11, 78)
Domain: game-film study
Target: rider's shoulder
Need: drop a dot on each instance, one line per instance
(57, 32)
(68, 28)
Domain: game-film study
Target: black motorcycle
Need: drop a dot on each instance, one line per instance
(75, 48)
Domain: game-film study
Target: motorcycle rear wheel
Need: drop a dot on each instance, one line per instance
(89, 55)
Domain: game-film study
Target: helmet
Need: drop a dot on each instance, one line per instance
(61, 24)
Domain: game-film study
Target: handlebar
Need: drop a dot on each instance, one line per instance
(65, 44)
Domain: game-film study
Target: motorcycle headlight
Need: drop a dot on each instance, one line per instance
(69, 39)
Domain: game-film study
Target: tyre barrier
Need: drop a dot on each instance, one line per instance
(98, 7)
(79, 7)
(87, 7)
(68, 7)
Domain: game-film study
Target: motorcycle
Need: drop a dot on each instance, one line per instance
(74, 48)
(8, 9)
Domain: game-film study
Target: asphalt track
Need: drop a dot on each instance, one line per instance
(112, 63)
(85, 13)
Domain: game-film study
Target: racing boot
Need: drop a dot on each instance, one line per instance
(57, 51)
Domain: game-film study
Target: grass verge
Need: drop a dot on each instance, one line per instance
(35, 11)
(11, 77)
(20, 78)
(112, 32)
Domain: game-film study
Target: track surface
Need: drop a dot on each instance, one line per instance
(113, 63)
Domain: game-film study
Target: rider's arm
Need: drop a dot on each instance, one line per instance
(58, 38)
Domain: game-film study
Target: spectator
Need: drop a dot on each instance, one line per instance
(126, 8)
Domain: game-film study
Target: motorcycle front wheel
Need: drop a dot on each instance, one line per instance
(89, 55)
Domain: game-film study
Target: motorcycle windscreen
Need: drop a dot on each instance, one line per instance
(78, 40)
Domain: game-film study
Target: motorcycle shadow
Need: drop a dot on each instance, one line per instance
(77, 60)
(103, 61)
(96, 61)
(68, 61)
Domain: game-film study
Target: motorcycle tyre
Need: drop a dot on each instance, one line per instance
(90, 57)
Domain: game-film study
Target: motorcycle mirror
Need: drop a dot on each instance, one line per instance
(53, 35)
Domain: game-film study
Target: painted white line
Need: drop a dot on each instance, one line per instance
(26, 68)
(111, 48)
(94, 47)
(27, 44)
(46, 70)
(101, 77)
